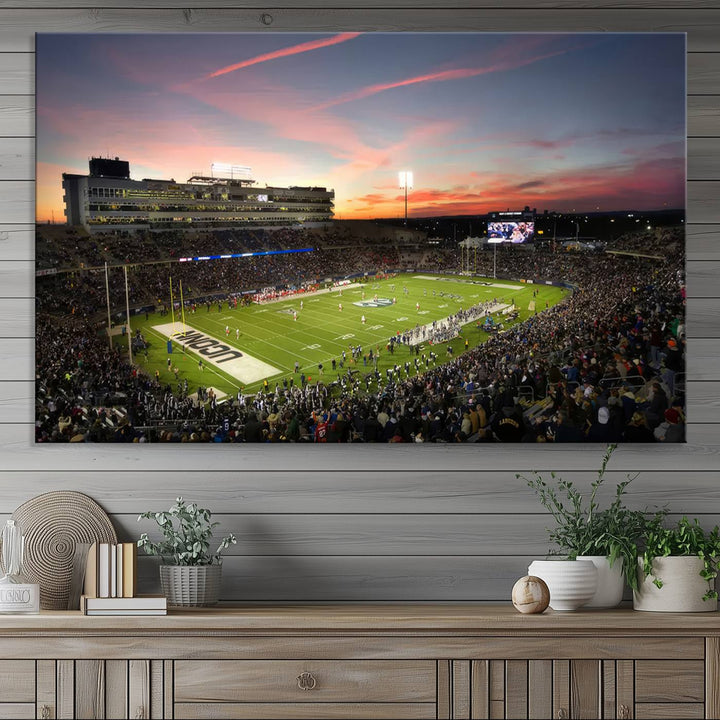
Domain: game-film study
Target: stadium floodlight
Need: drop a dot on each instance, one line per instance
(405, 178)
(233, 172)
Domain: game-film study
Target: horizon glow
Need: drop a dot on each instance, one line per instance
(565, 122)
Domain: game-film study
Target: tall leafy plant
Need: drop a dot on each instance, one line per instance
(186, 530)
(583, 527)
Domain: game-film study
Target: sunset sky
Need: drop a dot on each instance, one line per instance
(485, 121)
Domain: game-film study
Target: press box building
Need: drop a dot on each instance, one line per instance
(107, 198)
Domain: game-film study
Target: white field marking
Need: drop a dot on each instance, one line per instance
(247, 334)
(349, 336)
(423, 312)
(508, 287)
(376, 327)
(444, 305)
(234, 362)
(316, 346)
(401, 319)
(210, 368)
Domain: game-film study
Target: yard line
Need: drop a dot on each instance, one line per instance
(222, 375)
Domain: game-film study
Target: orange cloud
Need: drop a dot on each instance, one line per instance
(285, 52)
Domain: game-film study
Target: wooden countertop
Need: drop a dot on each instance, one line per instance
(425, 620)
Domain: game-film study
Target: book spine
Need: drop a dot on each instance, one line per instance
(119, 549)
(113, 571)
(104, 570)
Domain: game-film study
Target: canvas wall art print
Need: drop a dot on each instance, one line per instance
(360, 238)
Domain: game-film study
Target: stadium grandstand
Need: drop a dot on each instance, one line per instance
(536, 344)
(107, 198)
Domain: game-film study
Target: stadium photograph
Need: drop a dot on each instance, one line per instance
(360, 238)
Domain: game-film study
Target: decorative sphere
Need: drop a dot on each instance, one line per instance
(530, 594)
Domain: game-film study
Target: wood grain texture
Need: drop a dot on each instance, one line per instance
(539, 689)
(17, 681)
(584, 688)
(89, 688)
(18, 25)
(669, 711)
(516, 689)
(306, 711)
(65, 689)
(17, 711)
(461, 689)
(427, 524)
(397, 5)
(712, 677)
(139, 689)
(116, 687)
(669, 681)
(46, 688)
(277, 681)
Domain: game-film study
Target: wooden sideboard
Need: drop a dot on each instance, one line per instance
(361, 662)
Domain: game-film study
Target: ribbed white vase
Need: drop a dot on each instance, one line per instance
(571, 582)
(682, 589)
(610, 582)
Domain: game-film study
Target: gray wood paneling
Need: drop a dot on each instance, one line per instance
(357, 523)
(16, 33)
(264, 493)
(398, 5)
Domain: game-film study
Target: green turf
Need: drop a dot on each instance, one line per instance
(321, 331)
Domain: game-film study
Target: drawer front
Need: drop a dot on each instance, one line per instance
(672, 681)
(305, 711)
(299, 681)
(17, 681)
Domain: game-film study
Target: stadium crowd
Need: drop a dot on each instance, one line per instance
(605, 365)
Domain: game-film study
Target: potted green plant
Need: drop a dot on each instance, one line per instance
(190, 574)
(677, 568)
(584, 530)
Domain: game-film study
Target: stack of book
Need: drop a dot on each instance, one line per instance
(111, 583)
(138, 605)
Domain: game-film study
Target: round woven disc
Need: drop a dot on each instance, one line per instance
(52, 524)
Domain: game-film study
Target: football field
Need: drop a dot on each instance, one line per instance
(240, 348)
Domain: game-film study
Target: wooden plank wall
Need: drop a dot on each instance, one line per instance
(356, 523)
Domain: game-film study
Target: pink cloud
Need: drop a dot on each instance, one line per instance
(509, 63)
(285, 52)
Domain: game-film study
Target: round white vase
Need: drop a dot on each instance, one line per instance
(610, 582)
(571, 582)
(682, 589)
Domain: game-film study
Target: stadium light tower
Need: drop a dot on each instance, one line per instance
(406, 183)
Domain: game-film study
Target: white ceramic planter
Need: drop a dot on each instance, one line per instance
(610, 582)
(682, 589)
(571, 582)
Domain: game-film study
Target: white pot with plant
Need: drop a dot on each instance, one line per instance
(606, 537)
(190, 574)
(677, 568)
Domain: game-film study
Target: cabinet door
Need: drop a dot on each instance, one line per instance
(528, 689)
(624, 689)
(112, 689)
